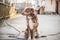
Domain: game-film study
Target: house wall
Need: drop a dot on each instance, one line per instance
(59, 7)
(4, 10)
(2, 1)
(50, 7)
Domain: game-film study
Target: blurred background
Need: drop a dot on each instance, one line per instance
(13, 24)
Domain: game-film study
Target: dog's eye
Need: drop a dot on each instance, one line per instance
(26, 10)
(32, 10)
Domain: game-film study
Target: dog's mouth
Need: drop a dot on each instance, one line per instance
(31, 14)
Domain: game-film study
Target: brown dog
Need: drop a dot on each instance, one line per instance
(30, 12)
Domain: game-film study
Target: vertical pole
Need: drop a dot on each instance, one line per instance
(3, 1)
(57, 7)
(15, 3)
(51, 2)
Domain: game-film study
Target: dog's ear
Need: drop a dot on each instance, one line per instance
(25, 10)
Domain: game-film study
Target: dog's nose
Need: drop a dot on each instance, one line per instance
(22, 13)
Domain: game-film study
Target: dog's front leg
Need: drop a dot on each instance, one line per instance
(35, 29)
(27, 33)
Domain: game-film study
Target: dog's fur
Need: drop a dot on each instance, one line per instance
(30, 12)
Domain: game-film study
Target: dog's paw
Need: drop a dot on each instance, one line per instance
(37, 36)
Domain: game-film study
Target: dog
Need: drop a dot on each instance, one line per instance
(31, 14)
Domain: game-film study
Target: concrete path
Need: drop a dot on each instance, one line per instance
(49, 26)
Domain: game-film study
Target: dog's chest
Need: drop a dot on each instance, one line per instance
(30, 23)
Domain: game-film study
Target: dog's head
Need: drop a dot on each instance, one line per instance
(28, 11)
